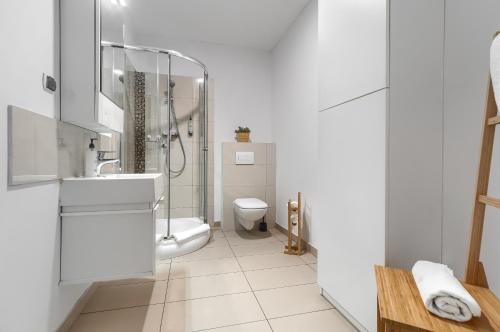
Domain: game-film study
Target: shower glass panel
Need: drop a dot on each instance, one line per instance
(141, 147)
(166, 132)
(187, 145)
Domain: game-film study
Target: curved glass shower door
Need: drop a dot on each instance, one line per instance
(183, 121)
(166, 132)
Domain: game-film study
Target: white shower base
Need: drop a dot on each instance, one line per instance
(170, 248)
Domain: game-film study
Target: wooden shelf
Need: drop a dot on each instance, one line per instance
(494, 120)
(489, 201)
(401, 308)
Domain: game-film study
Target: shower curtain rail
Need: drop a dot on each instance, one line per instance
(154, 50)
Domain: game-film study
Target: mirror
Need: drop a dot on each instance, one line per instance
(32, 141)
(112, 59)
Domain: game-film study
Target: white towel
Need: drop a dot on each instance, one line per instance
(184, 235)
(442, 293)
(495, 68)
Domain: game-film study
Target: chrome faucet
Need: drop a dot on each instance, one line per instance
(101, 161)
(105, 162)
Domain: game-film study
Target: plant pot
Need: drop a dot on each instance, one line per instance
(243, 137)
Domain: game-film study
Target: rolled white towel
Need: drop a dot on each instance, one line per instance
(442, 293)
(184, 235)
(495, 68)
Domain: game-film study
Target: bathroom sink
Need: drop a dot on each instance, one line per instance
(112, 189)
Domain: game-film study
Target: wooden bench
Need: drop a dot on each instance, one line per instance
(400, 307)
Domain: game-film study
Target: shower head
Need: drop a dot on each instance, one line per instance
(172, 85)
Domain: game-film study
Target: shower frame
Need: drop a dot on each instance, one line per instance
(204, 126)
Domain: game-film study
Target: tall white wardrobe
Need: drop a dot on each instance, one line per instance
(380, 144)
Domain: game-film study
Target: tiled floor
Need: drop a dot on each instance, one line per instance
(239, 282)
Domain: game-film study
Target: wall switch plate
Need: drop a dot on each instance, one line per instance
(49, 83)
(245, 158)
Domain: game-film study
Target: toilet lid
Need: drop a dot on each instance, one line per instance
(250, 203)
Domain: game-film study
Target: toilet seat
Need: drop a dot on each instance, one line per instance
(250, 203)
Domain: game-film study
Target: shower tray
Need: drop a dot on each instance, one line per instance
(166, 249)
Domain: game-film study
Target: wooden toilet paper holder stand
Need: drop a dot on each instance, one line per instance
(294, 248)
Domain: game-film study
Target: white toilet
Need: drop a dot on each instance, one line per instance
(248, 211)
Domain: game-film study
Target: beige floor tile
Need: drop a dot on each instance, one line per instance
(205, 267)
(281, 277)
(247, 234)
(321, 321)
(162, 272)
(313, 266)
(125, 296)
(308, 258)
(137, 319)
(211, 312)
(262, 326)
(258, 249)
(199, 287)
(278, 234)
(268, 261)
(205, 254)
(218, 233)
(242, 238)
(291, 300)
(165, 261)
(281, 237)
(217, 242)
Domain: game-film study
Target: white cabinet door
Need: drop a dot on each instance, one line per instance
(352, 49)
(351, 203)
(107, 245)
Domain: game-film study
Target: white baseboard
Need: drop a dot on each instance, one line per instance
(343, 312)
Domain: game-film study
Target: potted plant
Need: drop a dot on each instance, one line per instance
(242, 134)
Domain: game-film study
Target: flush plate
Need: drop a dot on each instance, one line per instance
(245, 158)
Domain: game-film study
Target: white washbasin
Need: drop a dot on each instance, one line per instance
(112, 189)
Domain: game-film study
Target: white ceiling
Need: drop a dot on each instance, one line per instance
(250, 23)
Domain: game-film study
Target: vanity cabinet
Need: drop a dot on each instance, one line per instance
(108, 227)
(92, 79)
(107, 244)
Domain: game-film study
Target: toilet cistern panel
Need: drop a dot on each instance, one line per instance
(245, 158)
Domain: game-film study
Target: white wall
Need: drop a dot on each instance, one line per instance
(31, 299)
(466, 72)
(415, 132)
(242, 92)
(295, 116)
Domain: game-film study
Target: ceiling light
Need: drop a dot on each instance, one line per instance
(118, 72)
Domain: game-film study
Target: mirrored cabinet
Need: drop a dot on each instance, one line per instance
(92, 76)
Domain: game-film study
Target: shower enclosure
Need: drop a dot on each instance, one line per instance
(165, 96)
